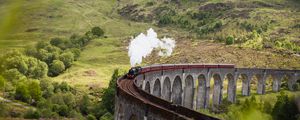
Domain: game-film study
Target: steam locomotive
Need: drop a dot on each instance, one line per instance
(133, 72)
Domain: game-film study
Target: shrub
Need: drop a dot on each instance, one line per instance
(229, 40)
(165, 20)
(109, 93)
(47, 88)
(67, 58)
(22, 92)
(84, 104)
(63, 110)
(64, 87)
(285, 108)
(56, 68)
(34, 90)
(32, 114)
(97, 31)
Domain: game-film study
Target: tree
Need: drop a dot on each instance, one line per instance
(47, 88)
(284, 108)
(28, 66)
(34, 90)
(13, 75)
(22, 92)
(229, 40)
(84, 104)
(56, 68)
(67, 58)
(109, 93)
(97, 31)
(37, 69)
(69, 99)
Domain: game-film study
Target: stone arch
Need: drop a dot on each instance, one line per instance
(286, 82)
(276, 82)
(217, 90)
(253, 83)
(147, 87)
(269, 83)
(201, 92)
(177, 91)
(231, 87)
(245, 84)
(157, 88)
(258, 83)
(189, 91)
(166, 93)
(133, 117)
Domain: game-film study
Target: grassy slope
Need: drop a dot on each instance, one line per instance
(55, 18)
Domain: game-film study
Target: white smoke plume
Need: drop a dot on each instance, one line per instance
(143, 45)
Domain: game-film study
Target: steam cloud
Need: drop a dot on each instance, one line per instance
(143, 45)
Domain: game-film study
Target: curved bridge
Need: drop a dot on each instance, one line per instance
(171, 92)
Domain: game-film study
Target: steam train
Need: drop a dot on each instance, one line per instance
(134, 71)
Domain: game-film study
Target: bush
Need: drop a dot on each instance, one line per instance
(22, 92)
(47, 88)
(165, 20)
(63, 110)
(56, 68)
(229, 40)
(67, 58)
(34, 90)
(97, 31)
(109, 93)
(84, 104)
(285, 108)
(64, 87)
(32, 114)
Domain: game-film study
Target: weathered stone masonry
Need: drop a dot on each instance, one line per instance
(190, 87)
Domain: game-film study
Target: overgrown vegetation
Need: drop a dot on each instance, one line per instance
(25, 77)
(283, 108)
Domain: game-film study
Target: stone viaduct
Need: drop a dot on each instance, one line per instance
(179, 91)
